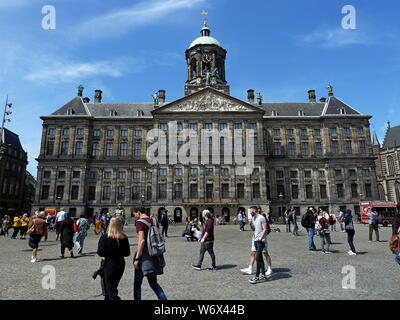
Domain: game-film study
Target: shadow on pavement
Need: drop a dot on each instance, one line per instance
(277, 276)
(278, 270)
(67, 257)
(226, 266)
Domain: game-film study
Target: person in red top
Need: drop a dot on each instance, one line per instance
(207, 241)
(144, 264)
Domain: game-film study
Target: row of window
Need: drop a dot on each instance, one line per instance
(95, 132)
(209, 192)
(317, 132)
(309, 191)
(321, 173)
(10, 187)
(318, 150)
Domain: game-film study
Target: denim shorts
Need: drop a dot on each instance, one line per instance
(253, 246)
(34, 241)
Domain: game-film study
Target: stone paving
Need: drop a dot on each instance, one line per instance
(298, 273)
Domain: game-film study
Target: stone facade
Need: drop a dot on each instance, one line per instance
(93, 155)
(388, 165)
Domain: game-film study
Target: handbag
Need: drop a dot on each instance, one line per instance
(349, 226)
(76, 228)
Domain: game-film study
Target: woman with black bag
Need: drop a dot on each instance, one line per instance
(113, 246)
(349, 228)
(145, 265)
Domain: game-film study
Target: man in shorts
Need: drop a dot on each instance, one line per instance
(249, 269)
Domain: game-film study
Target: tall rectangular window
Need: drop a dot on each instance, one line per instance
(277, 132)
(162, 191)
(135, 192)
(78, 148)
(368, 190)
(92, 193)
(335, 146)
(256, 190)
(295, 191)
(354, 190)
(178, 172)
(138, 133)
(106, 193)
(224, 190)
(110, 133)
(209, 172)
(79, 131)
(50, 147)
(64, 147)
(96, 133)
(309, 191)
(322, 191)
(95, 149)
(74, 192)
(348, 147)
(76, 175)
(109, 149)
(240, 190)
(138, 149)
(162, 172)
(289, 132)
(45, 192)
(178, 191)
(362, 145)
(123, 149)
(149, 193)
(59, 193)
(277, 149)
(65, 131)
(318, 149)
(340, 190)
(291, 148)
(304, 148)
(52, 132)
(124, 133)
(193, 191)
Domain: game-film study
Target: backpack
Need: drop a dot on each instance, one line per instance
(375, 219)
(268, 227)
(155, 241)
(304, 221)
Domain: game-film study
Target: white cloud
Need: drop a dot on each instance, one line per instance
(336, 38)
(61, 72)
(121, 21)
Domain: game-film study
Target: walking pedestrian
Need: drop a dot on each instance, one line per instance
(340, 219)
(294, 221)
(37, 229)
(242, 220)
(322, 226)
(6, 226)
(67, 235)
(97, 222)
(287, 220)
(113, 246)
(24, 226)
(60, 217)
(164, 223)
(308, 222)
(84, 226)
(259, 236)
(207, 241)
(333, 222)
(349, 227)
(144, 264)
(17, 223)
(105, 221)
(373, 224)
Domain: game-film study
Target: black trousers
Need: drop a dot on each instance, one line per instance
(260, 245)
(63, 248)
(15, 233)
(164, 230)
(350, 237)
(207, 246)
(113, 271)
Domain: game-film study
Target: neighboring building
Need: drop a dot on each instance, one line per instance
(388, 164)
(29, 193)
(12, 174)
(93, 155)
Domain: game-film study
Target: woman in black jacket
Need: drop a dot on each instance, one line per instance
(113, 246)
(349, 227)
(67, 235)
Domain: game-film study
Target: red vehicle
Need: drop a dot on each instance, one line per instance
(385, 209)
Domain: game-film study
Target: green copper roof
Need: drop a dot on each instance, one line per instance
(205, 40)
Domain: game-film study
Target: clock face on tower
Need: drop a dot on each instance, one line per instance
(206, 58)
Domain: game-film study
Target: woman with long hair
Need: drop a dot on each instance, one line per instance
(67, 235)
(113, 246)
(349, 228)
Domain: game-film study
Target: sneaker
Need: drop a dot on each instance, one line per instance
(352, 254)
(33, 260)
(348, 252)
(247, 270)
(213, 268)
(195, 266)
(80, 250)
(254, 280)
(268, 272)
(327, 252)
(322, 251)
(62, 256)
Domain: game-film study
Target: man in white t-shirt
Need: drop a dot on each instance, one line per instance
(59, 218)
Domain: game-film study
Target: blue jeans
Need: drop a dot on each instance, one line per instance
(152, 279)
(287, 226)
(79, 240)
(310, 238)
(397, 257)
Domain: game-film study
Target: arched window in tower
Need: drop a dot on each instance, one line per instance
(193, 65)
(391, 166)
(381, 192)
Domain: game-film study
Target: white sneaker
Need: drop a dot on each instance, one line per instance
(268, 272)
(348, 252)
(247, 270)
(33, 260)
(352, 254)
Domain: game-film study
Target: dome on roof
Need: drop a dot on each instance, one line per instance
(205, 40)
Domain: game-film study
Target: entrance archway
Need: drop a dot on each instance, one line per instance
(225, 214)
(178, 215)
(194, 213)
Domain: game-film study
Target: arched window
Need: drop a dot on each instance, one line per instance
(397, 189)
(193, 65)
(391, 166)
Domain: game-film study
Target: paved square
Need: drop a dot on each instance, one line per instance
(299, 274)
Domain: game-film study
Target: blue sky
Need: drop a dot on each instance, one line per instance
(130, 49)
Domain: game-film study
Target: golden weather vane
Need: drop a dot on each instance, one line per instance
(205, 14)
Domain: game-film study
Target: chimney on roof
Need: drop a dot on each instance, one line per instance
(250, 96)
(86, 100)
(323, 100)
(97, 96)
(311, 96)
(161, 96)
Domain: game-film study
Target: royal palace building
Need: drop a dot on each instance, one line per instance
(94, 155)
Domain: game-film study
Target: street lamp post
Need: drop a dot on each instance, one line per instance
(59, 202)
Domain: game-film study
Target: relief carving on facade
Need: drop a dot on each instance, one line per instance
(208, 102)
